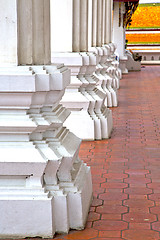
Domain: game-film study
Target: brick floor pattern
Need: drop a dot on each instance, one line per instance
(126, 167)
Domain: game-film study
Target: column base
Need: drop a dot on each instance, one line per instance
(131, 64)
(83, 97)
(44, 187)
(26, 217)
(122, 64)
(71, 200)
(79, 196)
(78, 122)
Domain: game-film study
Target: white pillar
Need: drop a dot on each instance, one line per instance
(16, 46)
(97, 8)
(108, 21)
(76, 25)
(69, 21)
(8, 45)
(61, 25)
(99, 23)
(119, 34)
(94, 22)
(99, 17)
(90, 23)
(80, 93)
(84, 26)
(38, 193)
(118, 31)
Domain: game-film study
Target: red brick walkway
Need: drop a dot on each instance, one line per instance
(126, 168)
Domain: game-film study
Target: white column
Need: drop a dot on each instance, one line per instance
(99, 23)
(76, 25)
(112, 65)
(105, 80)
(103, 20)
(90, 23)
(70, 22)
(61, 25)
(73, 98)
(38, 193)
(16, 46)
(22, 165)
(119, 34)
(108, 21)
(8, 40)
(84, 26)
(94, 22)
(85, 101)
(118, 31)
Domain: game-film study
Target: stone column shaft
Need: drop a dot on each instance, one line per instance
(33, 25)
(27, 33)
(61, 25)
(108, 21)
(99, 22)
(69, 22)
(80, 25)
(84, 26)
(90, 16)
(76, 25)
(103, 20)
(94, 23)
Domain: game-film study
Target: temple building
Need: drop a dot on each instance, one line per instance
(61, 66)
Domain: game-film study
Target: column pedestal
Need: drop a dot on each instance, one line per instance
(42, 180)
(105, 72)
(122, 64)
(84, 99)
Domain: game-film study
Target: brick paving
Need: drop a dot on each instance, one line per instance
(126, 168)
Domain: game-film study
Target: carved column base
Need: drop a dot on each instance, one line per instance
(44, 187)
(122, 64)
(105, 72)
(83, 98)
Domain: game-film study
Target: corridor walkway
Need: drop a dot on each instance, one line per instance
(126, 168)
